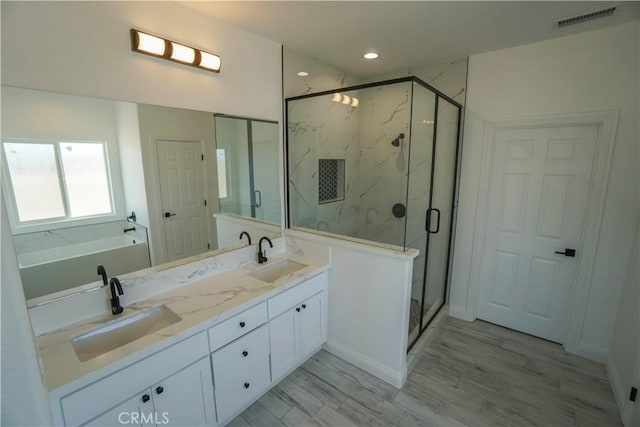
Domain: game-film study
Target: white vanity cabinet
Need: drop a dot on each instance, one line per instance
(297, 325)
(133, 395)
(210, 377)
(241, 372)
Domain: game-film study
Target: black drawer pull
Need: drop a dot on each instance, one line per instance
(245, 353)
(246, 385)
(304, 305)
(159, 390)
(298, 309)
(145, 398)
(242, 324)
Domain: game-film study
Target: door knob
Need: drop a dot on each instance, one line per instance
(567, 252)
(168, 214)
(145, 398)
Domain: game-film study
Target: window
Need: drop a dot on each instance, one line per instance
(221, 157)
(58, 180)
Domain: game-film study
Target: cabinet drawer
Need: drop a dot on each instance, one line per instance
(237, 326)
(246, 386)
(86, 403)
(236, 358)
(289, 298)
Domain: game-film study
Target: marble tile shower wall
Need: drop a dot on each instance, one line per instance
(384, 115)
(450, 77)
(322, 129)
(321, 76)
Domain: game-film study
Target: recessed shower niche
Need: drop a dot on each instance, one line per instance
(399, 144)
(330, 180)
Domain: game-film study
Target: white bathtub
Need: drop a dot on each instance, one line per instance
(52, 270)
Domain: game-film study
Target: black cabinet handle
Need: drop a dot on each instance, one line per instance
(159, 390)
(246, 385)
(298, 309)
(242, 324)
(168, 214)
(245, 353)
(304, 305)
(145, 398)
(568, 252)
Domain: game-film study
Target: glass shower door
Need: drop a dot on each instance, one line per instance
(439, 215)
(265, 182)
(419, 195)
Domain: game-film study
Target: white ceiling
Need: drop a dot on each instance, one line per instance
(406, 34)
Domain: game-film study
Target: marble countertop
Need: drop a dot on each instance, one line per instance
(200, 304)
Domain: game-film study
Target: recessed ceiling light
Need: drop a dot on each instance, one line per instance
(303, 73)
(370, 55)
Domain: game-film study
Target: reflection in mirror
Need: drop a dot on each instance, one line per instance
(91, 181)
(247, 155)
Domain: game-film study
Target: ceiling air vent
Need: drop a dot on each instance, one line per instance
(586, 17)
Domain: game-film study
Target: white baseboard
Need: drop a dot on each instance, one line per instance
(619, 390)
(591, 352)
(460, 312)
(378, 370)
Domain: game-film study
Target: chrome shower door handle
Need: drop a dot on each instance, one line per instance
(258, 198)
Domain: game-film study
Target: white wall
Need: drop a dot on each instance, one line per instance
(84, 48)
(24, 395)
(135, 195)
(591, 71)
(623, 364)
(368, 302)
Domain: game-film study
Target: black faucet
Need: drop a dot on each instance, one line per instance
(116, 308)
(102, 272)
(262, 255)
(244, 233)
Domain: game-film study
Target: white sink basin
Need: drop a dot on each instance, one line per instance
(122, 331)
(275, 271)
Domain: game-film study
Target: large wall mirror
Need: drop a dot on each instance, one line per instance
(90, 181)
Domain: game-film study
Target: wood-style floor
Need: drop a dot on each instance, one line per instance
(473, 374)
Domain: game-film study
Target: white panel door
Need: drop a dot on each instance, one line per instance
(538, 197)
(181, 172)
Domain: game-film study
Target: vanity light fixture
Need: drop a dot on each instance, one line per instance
(303, 73)
(173, 51)
(370, 55)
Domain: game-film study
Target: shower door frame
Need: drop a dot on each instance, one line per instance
(454, 204)
(454, 199)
